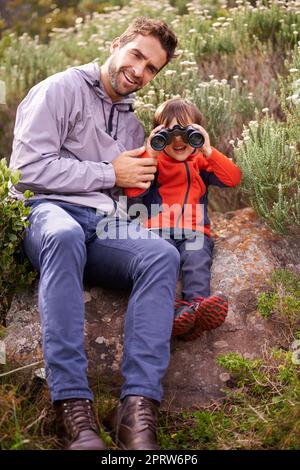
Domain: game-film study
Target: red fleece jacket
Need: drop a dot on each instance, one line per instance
(181, 188)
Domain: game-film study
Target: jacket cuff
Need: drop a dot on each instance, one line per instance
(108, 175)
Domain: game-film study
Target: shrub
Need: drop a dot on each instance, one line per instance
(270, 165)
(14, 269)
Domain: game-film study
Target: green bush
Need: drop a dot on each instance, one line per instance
(14, 268)
(269, 157)
(270, 164)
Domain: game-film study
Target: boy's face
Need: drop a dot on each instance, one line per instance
(178, 149)
(133, 65)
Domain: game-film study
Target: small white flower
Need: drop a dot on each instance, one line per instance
(293, 70)
(265, 110)
(294, 98)
(170, 72)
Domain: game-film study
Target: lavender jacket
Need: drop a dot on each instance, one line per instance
(66, 134)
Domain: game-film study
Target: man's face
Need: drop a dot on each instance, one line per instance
(132, 66)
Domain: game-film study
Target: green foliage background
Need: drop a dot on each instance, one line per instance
(235, 62)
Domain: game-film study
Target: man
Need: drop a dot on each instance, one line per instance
(76, 143)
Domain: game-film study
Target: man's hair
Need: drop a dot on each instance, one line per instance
(151, 27)
(181, 109)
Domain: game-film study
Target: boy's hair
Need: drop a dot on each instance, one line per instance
(151, 27)
(182, 109)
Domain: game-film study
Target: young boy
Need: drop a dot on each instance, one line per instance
(180, 190)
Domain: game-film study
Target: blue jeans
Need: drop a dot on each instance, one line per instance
(61, 242)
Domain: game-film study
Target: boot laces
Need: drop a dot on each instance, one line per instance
(147, 415)
(80, 415)
(194, 305)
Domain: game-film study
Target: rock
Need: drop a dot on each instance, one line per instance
(224, 376)
(246, 252)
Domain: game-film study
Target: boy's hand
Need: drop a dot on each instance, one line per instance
(206, 147)
(150, 151)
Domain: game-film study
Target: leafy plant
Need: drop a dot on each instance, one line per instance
(14, 269)
(270, 164)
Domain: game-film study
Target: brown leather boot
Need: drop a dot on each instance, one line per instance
(133, 423)
(76, 425)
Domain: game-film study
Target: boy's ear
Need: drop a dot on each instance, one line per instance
(115, 44)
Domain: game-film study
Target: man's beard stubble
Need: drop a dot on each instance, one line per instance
(114, 74)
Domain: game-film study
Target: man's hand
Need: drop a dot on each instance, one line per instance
(133, 171)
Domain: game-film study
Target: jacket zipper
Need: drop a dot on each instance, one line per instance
(187, 192)
(110, 120)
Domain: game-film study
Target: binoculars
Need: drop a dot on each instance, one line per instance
(189, 135)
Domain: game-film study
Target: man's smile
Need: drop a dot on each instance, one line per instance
(129, 79)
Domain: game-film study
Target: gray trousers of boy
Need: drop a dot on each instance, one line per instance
(195, 265)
